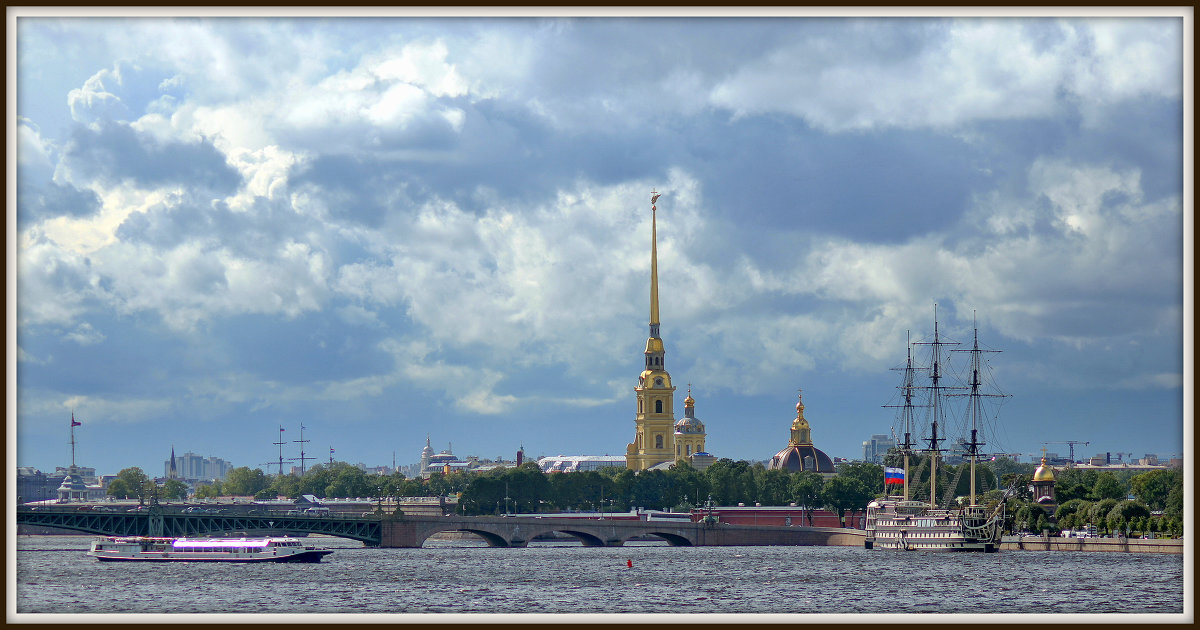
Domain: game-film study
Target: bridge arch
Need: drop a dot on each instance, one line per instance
(492, 539)
(675, 540)
(588, 539)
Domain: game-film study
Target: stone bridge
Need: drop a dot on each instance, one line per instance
(517, 531)
(412, 531)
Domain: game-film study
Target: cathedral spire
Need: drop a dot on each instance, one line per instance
(654, 265)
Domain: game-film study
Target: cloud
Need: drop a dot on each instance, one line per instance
(85, 335)
(96, 101)
(946, 74)
(114, 152)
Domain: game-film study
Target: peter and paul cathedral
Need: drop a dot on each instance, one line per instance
(658, 439)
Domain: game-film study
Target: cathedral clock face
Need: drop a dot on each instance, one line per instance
(658, 381)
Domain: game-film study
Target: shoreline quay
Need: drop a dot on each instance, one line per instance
(1058, 543)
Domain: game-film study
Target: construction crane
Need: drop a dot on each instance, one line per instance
(1071, 444)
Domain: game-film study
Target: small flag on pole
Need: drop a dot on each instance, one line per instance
(73, 422)
(331, 450)
(893, 475)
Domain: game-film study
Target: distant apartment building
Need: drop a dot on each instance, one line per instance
(875, 448)
(193, 467)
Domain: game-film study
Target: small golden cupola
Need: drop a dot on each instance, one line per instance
(801, 432)
(1043, 472)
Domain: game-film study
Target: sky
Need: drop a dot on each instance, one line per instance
(388, 228)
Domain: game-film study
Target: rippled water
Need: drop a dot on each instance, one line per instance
(54, 576)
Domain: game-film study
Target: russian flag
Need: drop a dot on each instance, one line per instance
(893, 475)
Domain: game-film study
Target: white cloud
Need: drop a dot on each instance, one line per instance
(101, 409)
(96, 100)
(974, 69)
(85, 335)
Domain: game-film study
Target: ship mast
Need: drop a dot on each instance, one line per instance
(302, 441)
(73, 423)
(974, 404)
(936, 413)
(906, 413)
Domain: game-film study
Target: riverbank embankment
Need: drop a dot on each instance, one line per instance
(1058, 543)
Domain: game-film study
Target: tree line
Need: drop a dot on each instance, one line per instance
(1084, 497)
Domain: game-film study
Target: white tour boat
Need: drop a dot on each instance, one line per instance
(149, 549)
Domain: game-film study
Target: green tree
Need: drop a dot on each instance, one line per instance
(286, 486)
(244, 482)
(527, 487)
(345, 480)
(806, 487)
(1107, 487)
(574, 491)
(733, 482)
(1173, 508)
(1124, 514)
(1004, 466)
(209, 490)
(174, 490)
(1098, 513)
(1073, 513)
(120, 489)
(1153, 487)
(137, 484)
(649, 489)
(871, 475)
(1072, 483)
(774, 487)
(690, 485)
(846, 494)
(484, 495)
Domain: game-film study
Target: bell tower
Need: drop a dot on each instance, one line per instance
(654, 435)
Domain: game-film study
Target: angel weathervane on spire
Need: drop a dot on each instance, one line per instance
(654, 195)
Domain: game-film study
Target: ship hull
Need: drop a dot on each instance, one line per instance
(914, 526)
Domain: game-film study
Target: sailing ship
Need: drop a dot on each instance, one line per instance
(901, 522)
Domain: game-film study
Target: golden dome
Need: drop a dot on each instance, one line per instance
(689, 401)
(1043, 472)
(654, 345)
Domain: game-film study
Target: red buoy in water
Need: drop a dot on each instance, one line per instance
(629, 563)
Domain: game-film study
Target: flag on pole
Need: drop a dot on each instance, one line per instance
(73, 422)
(893, 475)
(331, 450)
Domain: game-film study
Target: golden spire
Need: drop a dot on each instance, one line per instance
(653, 265)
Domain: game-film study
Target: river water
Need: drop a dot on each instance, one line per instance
(53, 575)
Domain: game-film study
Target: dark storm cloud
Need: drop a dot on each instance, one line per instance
(361, 188)
(36, 202)
(117, 152)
